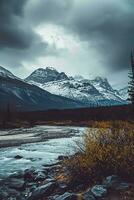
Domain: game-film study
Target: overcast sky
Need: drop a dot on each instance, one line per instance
(86, 37)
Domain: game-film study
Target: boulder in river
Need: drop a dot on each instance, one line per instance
(8, 193)
(40, 176)
(30, 174)
(15, 183)
(18, 174)
(62, 157)
(18, 157)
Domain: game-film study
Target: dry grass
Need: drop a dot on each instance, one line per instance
(104, 151)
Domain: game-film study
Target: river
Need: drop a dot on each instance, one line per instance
(36, 154)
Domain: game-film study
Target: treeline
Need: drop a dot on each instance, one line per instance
(124, 112)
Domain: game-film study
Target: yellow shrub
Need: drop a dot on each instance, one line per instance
(104, 151)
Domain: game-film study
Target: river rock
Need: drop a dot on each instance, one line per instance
(18, 157)
(88, 196)
(122, 186)
(67, 196)
(3, 194)
(115, 183)
(40, 176)
(30, 174)
(63, 187)
(99, 191)
(18, 174)
(44, 190)
(111, 181)
(6, 193)
(62, 157)
(15, 183)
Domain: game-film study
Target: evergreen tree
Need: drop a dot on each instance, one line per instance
(131, 83)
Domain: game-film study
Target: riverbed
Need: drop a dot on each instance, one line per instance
(37, 146)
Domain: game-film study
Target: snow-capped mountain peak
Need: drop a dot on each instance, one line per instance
(101, 82)
(96, 91)
(78, 77)
(44, 75)
(124, 93)
(100, 79)
(6, 74)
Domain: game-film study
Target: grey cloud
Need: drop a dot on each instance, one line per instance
(19, 42)
(43, 11)
(107, 26)
(12, 32)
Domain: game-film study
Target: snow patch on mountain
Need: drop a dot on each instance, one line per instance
(96, 91)
(48, 74)
(124, 93)
(6, 74)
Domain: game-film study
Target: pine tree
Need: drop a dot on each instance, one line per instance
(131, 83)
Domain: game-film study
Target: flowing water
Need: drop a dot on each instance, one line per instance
(39, 153)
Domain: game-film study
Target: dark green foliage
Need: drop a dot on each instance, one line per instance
(131, 83)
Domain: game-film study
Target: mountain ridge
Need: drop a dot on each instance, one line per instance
(26, 97)
(56, 91)
(48, 74)
(96, 91)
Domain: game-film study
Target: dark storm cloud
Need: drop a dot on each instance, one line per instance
(48, 10)
(12, 32)
(107, 26)
(18, 41)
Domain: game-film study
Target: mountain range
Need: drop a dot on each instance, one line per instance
(46, 88)
(26, 97)
(90, 92)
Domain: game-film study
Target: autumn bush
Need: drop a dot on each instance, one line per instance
(103, 152)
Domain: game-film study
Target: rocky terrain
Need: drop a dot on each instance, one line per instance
(36, 171)
(32, 184)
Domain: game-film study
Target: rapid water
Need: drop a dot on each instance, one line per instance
(38, 154)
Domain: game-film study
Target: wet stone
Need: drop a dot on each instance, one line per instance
(88, 196)
(40, 176)
(18, 157)
(67, 196)
(99, 191)
(44, 190)
(18, 174)
(111, 181)
(115, 183)
(6, 193)
(15, 183)
(62, 157)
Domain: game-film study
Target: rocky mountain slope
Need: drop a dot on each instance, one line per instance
(90, 92)
(43, 76)
(124, 93)
(6, 74)
(23, 96)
